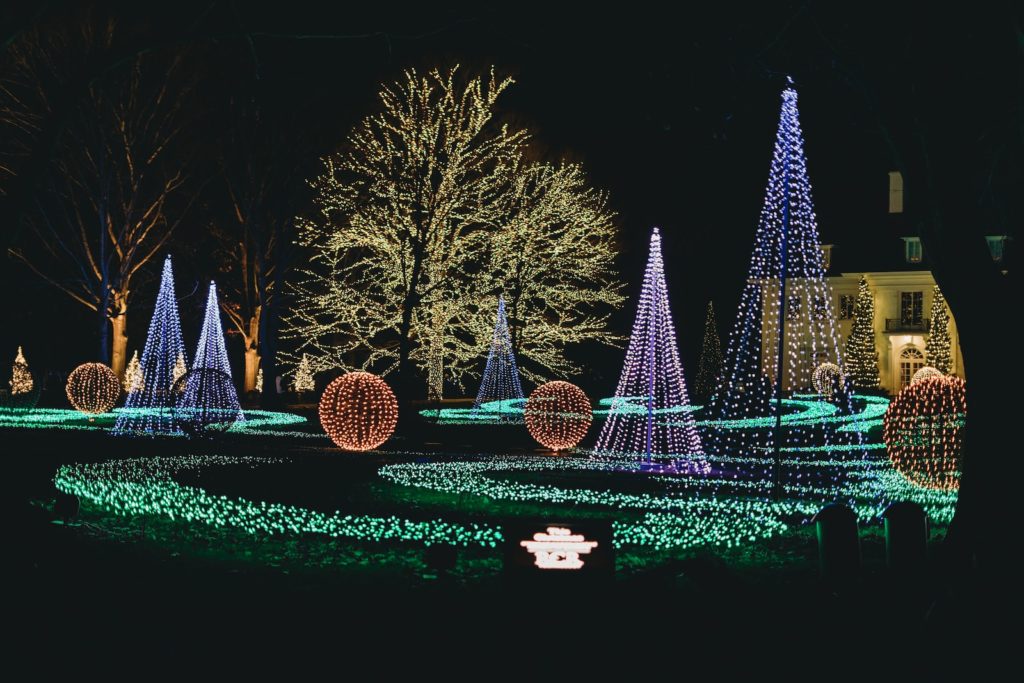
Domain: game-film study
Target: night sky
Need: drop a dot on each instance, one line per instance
(674, 116)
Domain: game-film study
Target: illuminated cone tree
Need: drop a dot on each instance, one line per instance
(649, 415)
(501, 375)
(208, 395)
(786, 326)
(150, 410)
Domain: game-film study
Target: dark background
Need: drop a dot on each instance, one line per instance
(674, 114)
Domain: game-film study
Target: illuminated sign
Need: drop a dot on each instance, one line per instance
(558, 548)
(555, 548)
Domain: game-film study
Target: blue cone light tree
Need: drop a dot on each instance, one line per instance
(501, 374)
(150, 409)
(785, 327)
(207, 398)
(650, 414)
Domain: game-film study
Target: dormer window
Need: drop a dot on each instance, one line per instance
(995, 246)
(913, 251)
(895, 192)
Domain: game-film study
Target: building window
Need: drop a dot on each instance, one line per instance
(793, 308)
(895, 192)
(913, 250)
(847, 303)
(911, 360)
(912, 308)
(995, 246)
(819, 309)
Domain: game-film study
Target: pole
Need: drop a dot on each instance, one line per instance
(783, 248)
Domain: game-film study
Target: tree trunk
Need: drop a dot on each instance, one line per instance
(252, 352)
(252, 364)
(119, 346)
(435, 364)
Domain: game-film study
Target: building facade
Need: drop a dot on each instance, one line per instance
(902, 287)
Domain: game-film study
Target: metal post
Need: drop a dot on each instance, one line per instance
(777, 452)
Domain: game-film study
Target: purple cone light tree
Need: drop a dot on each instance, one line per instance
(650, 415)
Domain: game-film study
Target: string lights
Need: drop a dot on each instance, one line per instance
(924, 431)
(92, 388)
(150, 410)
(358, 411)
(206, 395)
(785, 325)
(652, 370)
(558, 415)
(500, 381)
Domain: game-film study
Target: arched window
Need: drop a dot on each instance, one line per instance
(911, 360)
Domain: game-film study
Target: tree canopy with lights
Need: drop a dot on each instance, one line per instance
(430, 211)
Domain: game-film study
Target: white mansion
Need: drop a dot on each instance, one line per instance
(902, 294)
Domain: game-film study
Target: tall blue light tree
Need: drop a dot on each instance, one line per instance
(150, 409)
(786, 325)
(209, 395)
(650, 414)
(501, 375)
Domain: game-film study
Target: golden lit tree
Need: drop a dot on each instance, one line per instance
(133, 380)
(430, 212)
(21, 378)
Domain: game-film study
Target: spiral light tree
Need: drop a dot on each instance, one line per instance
(358, 411)
(558, 415)
(923, 430)
(92, 388)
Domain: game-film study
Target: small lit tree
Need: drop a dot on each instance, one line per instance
(21, 378)
(861, 354)
(710, 366)
(937, 348)
(133, 378)
(304, 376)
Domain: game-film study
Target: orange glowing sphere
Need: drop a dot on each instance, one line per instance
(92, 388)
(923, 430)
(558, 415)
(358, 411)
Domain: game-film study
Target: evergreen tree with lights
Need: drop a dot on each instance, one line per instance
(259, 380)
(133, 379)
(861, 354)
(21, 378)
(937, 348)
(710, 366)
(304, 376)
(150, 410)
(180, 367)
(501, 374)
(649, 415)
